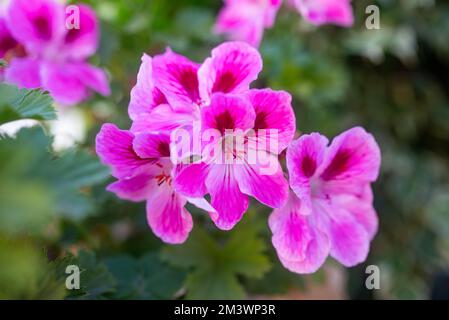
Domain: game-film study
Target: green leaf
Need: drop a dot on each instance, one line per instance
(16, 104)
(75, 169)
(144, 278)
(36, 186)
(25, 272)
(95, 279)
(215, 267)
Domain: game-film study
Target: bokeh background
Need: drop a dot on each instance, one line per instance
(54, 210)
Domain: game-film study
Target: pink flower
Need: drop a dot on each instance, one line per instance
(330, 209)
(172, 92)
(171, 89)
(235, 176)
(319, 12)
(246, 20)
(142, 165)
(55, 55)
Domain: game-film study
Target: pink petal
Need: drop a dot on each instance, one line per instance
(353, 159)
(24, 73)
(361, 208)
(190, 179)
(349, 239)
(320, 12)
(162, 118)
(201, 203)
(245, 20)
(136, 189)
(273, 112)
(231, 69)
(241, 25)
(304, 157)
(151, 145)
(70, 83)
(301, 247)
(228, 112)
(267, 185)
(80, 43)
(167, 216)
(36, 23)
(176, 76)
(145, 96)
(226, 197)
(115, 149)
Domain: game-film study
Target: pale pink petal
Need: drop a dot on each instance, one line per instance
(37, 24)
(115, 149)
(271, 12)
(94, 78)
(274, 114)
(136, 189)
(167, 216)
(361, 209)
(301, 247)
(352, 160)
(245, 20)
(190, 179)
(228, 112)
(265, 183)
(304, 157)
(318, 12)
(176, 76)
(71, 83)
(226, 197)
(80, 42)
(151, 145)
(349, 239)
(231, 69)
(241, 25)
(162, 118)
(201, 203)
(145, 96)
(24, 73)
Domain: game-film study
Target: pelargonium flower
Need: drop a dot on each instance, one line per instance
(171, 89)
(235, 175)
(330, 210)
(142, 165)
(173, 92)
(319, 12)
(56, 56)
(246, 20)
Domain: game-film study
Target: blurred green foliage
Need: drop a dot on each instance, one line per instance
(54, 210)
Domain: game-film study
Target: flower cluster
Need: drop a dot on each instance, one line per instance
(246, 20)
(326, 208)
(45, 50)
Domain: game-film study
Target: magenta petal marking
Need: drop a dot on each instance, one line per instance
(176, 76)
(304, 157)
(274, 112)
